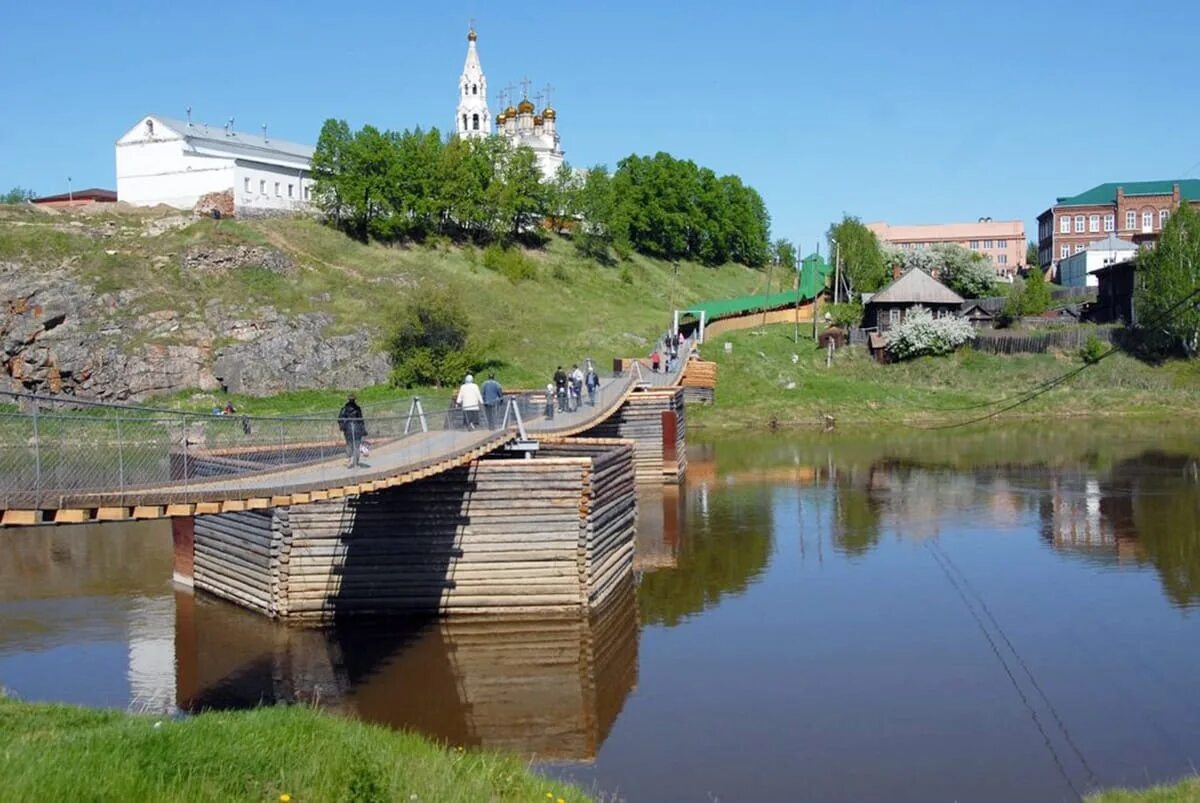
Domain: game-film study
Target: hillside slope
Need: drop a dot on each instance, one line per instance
(130, 304)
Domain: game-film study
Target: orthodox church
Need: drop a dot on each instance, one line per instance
(522, 125)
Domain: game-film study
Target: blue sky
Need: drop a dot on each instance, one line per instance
(915, 112)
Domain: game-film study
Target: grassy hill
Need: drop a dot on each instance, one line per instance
(570, 308)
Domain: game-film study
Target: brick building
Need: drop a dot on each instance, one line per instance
(1135, 211)
(1001, 241)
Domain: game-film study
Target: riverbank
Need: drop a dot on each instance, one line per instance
(1186, 791)
(766, 379)
(59, 752)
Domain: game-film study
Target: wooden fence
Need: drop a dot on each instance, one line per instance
(1071, 339)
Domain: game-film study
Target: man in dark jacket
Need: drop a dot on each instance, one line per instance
(354, 429)
(560, 389)
(493, 395)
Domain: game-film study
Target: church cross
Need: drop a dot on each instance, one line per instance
(548, 90)
(537, 100)
(525, 82)
(472, 24)
(508, 89)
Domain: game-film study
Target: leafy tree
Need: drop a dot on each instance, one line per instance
(1035, 297)
(331, 169)
(1166, 275)
(863, 267)
(522, 197)
(1032, 257)
(17, 195)
(783, 254)
(1012, 309)
(597, 209)
(563, 197)
(922, 334)
(966, 272)
(429, 340)
(845, 314)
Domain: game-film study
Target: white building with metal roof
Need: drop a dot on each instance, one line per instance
(165, 161)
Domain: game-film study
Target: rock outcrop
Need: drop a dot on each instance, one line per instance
(58, 335)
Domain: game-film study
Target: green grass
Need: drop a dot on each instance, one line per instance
(57, 752)
(759, 382)
(1186, 791)
(571, 307)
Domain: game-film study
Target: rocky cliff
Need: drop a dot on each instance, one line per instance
(63, 331)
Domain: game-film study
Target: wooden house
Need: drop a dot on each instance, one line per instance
(1115, 297)
(916, 288)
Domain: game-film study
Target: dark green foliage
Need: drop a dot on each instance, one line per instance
(1165, 276)
(17, 195)
(1031, 255)
(1093, 349)
(783, 253)
(429, 341)
(414, 185)
(855, 246)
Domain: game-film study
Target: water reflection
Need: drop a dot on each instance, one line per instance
(549, 689)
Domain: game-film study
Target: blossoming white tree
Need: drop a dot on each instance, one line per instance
(922, 334)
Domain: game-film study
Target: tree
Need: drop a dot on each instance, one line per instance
(1166, 275)
(331, 169)
(595, 200)
(863, 268)
(966, 272)
(783, 254)
(17, 195)
(1032, 257)
(429, 340)
(563, 197)
(922, 334)
(521, 200)
(1035, 297)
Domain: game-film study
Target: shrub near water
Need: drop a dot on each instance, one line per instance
(922, 334)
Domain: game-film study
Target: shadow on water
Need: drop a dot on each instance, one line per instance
(550, 689)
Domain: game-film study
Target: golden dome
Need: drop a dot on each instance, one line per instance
(471, 36)
(510, 112)
(550, 114)
(525, 107)
(537, 119)
(500, 118)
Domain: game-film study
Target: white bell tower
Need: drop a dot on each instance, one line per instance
(472, 119)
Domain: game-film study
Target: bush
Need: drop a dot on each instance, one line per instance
(429, 341)
(922, 334)
(626, 276)
(1092, 350)
(845, 315)
(510, 263)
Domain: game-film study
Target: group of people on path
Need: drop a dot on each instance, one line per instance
(671, 343)
(565, 391)
(472, 398)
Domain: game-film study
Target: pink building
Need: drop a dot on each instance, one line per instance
(1001, 241)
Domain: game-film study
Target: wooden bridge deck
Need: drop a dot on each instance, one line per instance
(391, 463)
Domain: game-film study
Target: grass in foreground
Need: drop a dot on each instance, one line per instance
(768, 376)
(1186, 791)
(58, 752)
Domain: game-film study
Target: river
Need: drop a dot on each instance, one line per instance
(986, 615)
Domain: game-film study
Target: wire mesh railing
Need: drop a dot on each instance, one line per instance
(61, 451)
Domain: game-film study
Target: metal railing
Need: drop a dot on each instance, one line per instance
(62, 451)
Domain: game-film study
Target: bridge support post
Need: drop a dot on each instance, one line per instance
(183, 535)
(655, 421)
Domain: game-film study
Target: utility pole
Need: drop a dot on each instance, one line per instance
(816, 296)
(837, 270)
(767, 296)
(799, 280)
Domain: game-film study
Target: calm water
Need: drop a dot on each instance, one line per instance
(1002, 615)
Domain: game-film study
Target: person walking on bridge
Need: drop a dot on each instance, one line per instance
(493, 395)
(560, 388)
(576, 388)
(592, 380)
(470, 400)
(354, 429)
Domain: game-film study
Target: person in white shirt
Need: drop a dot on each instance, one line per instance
(469, 401)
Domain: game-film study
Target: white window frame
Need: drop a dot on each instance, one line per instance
(1064, 251)
(278, 193)
(1110, 222)
(1130, 219)
(1147, 221)
(1093, 223)
(1079, 223)
(1064, 224)
(262, 186)
(1079, 247)
(291, 190)
(307, 192)
(1163, 214)
(246, 184)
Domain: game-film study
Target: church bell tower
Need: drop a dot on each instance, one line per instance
(472, 119)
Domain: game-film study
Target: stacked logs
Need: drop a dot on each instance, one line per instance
(659, 457)
(550, 536)
(700, 381)
(236, 557)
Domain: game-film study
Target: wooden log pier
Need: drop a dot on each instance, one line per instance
(654, 420)
(547, 536)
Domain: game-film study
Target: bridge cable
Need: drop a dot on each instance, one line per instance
(1062, 770)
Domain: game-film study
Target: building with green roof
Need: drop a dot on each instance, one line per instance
(1131, 210)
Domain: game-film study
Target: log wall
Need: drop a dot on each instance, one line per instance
(640, 420)
(548, 536)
